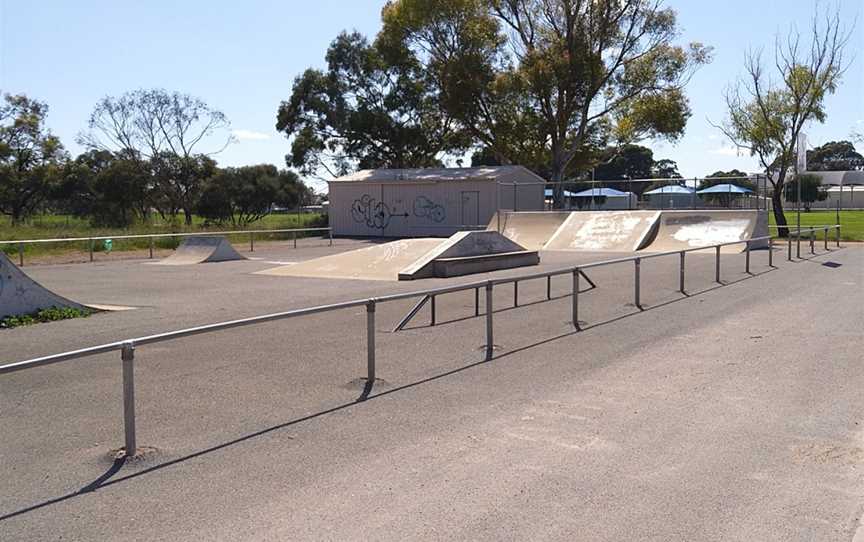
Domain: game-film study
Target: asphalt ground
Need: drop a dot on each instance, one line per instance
(733, 413)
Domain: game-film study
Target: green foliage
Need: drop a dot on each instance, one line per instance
(30, 156)
(178, 182)
(373, 107)
(51, 314)
(734, 176)
(835, 156)
(246, 194)
(811, 190)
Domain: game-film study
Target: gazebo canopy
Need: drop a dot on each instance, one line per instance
(608, 192)
(670, 189)
(567, 194)
(725, 188)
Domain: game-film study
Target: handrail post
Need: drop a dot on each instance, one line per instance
(251, 242)
(681, 273)
(21, 254)
(838, 235)
(489, 337)
(825, 238)
(91, 249)
(812, 241)
(294, 237)
(789, 246)
(548, 287)
(798, 243)
(127, 355)
(515, 293)
(717, 265)
(330, 234)
(370, 341)
(770, 252)
(151, 247)
(432, 307)
(747, 257)
(636, 282)
(477, 301)
(575, 304)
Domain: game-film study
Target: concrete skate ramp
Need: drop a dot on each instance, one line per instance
(19, 294)
(613, 231)
(679, 230)
(202, 249)
(530, 229)
(471, 252)
(379, 262)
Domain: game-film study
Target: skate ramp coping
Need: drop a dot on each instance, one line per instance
(202, 249)
(469, 252)
(678, 230)
(612, 231)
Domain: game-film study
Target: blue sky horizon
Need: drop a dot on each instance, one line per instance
(242, 60)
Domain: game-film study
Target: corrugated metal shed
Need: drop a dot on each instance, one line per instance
(433, 202)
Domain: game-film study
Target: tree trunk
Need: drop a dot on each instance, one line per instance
(557, 188)
(779, 216)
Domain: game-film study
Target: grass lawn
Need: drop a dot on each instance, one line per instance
(60, 226)
(851, 222)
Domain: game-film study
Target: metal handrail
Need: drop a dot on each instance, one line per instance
(127, 346)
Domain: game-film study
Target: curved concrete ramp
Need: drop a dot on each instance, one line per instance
(19, 294)
(679, 230)
(378, 262)
(613, 231)
(203, 249)
(530, 229)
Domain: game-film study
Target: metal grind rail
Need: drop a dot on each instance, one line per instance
(153, 236)
(128, 347)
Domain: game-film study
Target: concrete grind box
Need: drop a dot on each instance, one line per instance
(428, 202)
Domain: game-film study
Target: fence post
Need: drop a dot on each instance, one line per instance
(515, 293)
(151, 248)
(251, 242)
(717, 265)
(575, 306)
(370, 341)
(477, 301)
(637, 265)
(770, 252)
(789, 245)
(432, 307)
(489, 343)
(127, 355)
(91, 249)
(798, 243)
(681, 274)
(826, 238)
(549, 287)
(747, 257)
(812, 241)
(20, 254)
(838, 235)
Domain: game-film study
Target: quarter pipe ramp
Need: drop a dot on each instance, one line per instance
(202, 249)
(19, 294)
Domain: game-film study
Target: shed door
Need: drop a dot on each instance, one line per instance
(470, 208)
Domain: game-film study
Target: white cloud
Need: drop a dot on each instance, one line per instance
(727, 151)
(250, 135)
(713, 137)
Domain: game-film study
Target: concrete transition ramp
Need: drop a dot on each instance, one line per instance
(19, 294)
(530, 229)
(613, 231)
(202, 249)
(679, 230)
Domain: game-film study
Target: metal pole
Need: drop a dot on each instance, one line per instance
(370, 340)
(681, 274)
(636, 281)
(477, 301)
(549, 287)
(251, 242)
(838, 234)
(127, 355)
(717, 266)
(798, 243)
(812, 241)
(575, 308)
(432, 307)
(91, 250)
(789, 245)
(21, 254)
(515, 293)
(826, 238)
(151, 247)
(489, 343)
(294, 237)
(747, 257)
(770, 252)
(330, 232)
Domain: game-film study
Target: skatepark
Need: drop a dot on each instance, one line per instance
(730, 400)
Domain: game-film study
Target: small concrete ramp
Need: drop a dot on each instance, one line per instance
(532, 230)
(679, 230)
(613, 231)
(202, 249)
(379, 262)
(19, 294)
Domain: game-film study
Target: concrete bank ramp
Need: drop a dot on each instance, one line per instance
(613, 231)
(378, 262)
(529, 229)
(19, 294)
(202, 249)
(679, 230)
(467, 252)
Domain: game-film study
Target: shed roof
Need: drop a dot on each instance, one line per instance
(490, 173)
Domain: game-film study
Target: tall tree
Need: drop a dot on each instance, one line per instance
(835, 156)
(30, 156)
(164, 131)
(367, 110)
(552, 80)
(247, 194)
(766, 114)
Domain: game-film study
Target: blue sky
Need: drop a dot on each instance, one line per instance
(241, 57)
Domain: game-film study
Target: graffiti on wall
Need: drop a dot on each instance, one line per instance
(426, 208)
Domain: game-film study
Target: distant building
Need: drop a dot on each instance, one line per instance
(432, 202)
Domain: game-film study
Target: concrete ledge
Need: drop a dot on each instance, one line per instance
(466, 265)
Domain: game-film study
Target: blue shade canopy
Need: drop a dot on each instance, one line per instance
(567, 193)
(670, 189)
(725, 188)
(608, 192)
